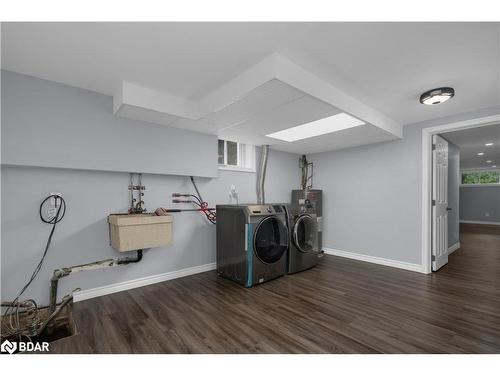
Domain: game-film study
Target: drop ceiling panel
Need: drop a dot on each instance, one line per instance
(360, 135)
(261, 100)
(246, 136)
(300, 111)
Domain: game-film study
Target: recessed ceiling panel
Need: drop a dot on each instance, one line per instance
(326, 125)
(297, 112)
(261, 100)
(248, 137)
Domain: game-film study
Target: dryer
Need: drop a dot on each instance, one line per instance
(252, 242)
(313, 203)
(304, 249)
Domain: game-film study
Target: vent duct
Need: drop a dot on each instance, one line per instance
(262, 174)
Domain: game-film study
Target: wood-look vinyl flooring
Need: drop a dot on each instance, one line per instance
(340, 306)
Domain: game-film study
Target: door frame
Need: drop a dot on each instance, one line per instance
(427, 134)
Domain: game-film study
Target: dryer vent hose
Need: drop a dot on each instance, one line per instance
(262, 174)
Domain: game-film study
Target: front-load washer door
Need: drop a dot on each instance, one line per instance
(305, 234)
(270, 239)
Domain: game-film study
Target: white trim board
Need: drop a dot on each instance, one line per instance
(143, 281)
(376, 260)
(479, 222)
(453, 248)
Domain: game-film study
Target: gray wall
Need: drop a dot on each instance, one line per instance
(480, 203)
(372, 198)
(373, 194)
(453, 194)
(53, 125)
(82, 236)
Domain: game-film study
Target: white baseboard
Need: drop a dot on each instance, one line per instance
(454, 247)
(143, 281)
(479, 222)
(371, 259)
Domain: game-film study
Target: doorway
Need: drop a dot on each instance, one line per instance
(435, 247)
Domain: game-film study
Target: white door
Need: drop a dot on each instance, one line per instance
(439, 202)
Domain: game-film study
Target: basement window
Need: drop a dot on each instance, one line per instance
(236, 156)
(481, 177)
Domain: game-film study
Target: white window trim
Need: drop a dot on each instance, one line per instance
(238, 168)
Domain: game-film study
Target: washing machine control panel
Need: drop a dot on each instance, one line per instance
(265, 209)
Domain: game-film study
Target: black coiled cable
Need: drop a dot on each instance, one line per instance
(61, 211)
(59, 215)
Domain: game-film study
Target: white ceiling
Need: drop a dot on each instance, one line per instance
(385, 66)
(256, 110)
(472, 141)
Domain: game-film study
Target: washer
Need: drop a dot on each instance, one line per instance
(252, 242)
(304, 249)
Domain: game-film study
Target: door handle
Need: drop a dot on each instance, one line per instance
(448, 208)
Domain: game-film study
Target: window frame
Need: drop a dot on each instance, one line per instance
(245, 155)
(479, 171)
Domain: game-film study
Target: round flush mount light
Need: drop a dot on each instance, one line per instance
(437, 96)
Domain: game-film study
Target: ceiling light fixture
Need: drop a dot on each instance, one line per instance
(493, 166)
(437, 96)
(480, 153)
(326, 125)
(489, 144)
(488, 161)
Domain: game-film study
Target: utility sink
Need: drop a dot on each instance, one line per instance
(139, 231)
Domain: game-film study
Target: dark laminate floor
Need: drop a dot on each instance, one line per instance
(341, 306)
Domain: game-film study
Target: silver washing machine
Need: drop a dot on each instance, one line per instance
(252, 242)
(304, 249)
